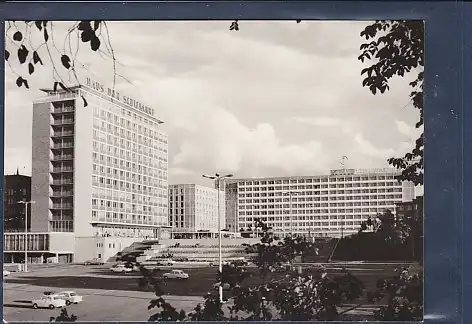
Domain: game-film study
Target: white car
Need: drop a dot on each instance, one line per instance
(121, 268)
(50, 302)
(166, 262)
(6, 273)
(70, 297)
(175, 274)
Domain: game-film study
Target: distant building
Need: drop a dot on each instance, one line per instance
(16, 188)
(231, 207)
(325, 205)
(411, 209)
(193, 211)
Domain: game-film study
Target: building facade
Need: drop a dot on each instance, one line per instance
(99, 168)
(16, 188)
(327, 205)
(193, 211)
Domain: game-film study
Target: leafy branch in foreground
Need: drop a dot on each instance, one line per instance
(397, 48)
(20, 37)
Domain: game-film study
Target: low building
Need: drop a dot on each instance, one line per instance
(193, 211)
(16, 188)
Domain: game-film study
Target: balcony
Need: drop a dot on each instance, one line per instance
(60, 170)
(62, 194)
(65, 121)
(63, 182)
(62, 157)
(63, 145)
(62, 134)
(61, 110)
(62, 206)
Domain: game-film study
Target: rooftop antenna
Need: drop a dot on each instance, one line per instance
(343, 164)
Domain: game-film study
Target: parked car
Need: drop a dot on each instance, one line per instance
(175, 274)
(94, 261)
(121, 268)
(181, 259)
(50, 302)
(166, 262)
(70, 297)
(6, 273)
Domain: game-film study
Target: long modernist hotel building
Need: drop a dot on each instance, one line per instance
(326, 205)
(99, 175)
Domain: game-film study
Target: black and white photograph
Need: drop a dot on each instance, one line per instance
(219, 170)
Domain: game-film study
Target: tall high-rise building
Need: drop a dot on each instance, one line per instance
(326, 205)
(193, 211)
(99, 170)
(16, 188)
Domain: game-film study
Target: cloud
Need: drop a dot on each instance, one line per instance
(319, 121)
(275, 98)
(368, 149)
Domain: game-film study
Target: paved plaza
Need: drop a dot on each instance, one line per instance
(117, 297)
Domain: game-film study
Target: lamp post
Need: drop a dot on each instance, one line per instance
(218, 179)
(26, 203)
(290, 193)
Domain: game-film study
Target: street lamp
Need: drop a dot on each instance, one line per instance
(26, 203)
(218, 179)
(290, 194)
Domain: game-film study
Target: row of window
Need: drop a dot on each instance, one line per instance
(111, 159)
(302, 218)
(317, 179)
(325, 187)
(312, 211)
(322, 205)
(131, 121)
(130, 153)
(126, 186)
(325, 198)
(135, 177)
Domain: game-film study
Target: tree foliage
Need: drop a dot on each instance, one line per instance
(396, 48)
(404, 294)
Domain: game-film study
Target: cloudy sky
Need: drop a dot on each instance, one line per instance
(273, 99)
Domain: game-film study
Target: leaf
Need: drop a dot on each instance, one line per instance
(38, 24)
(7, 55)
(85, 101)
(46, 36)
(30, 68)
(96, 24)
(65, 61)
(18, 36)
(95, 44)
(234, 26)
(20, 82)
(86, 35)
(36, 58)
(22, 54)
(84, 25)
